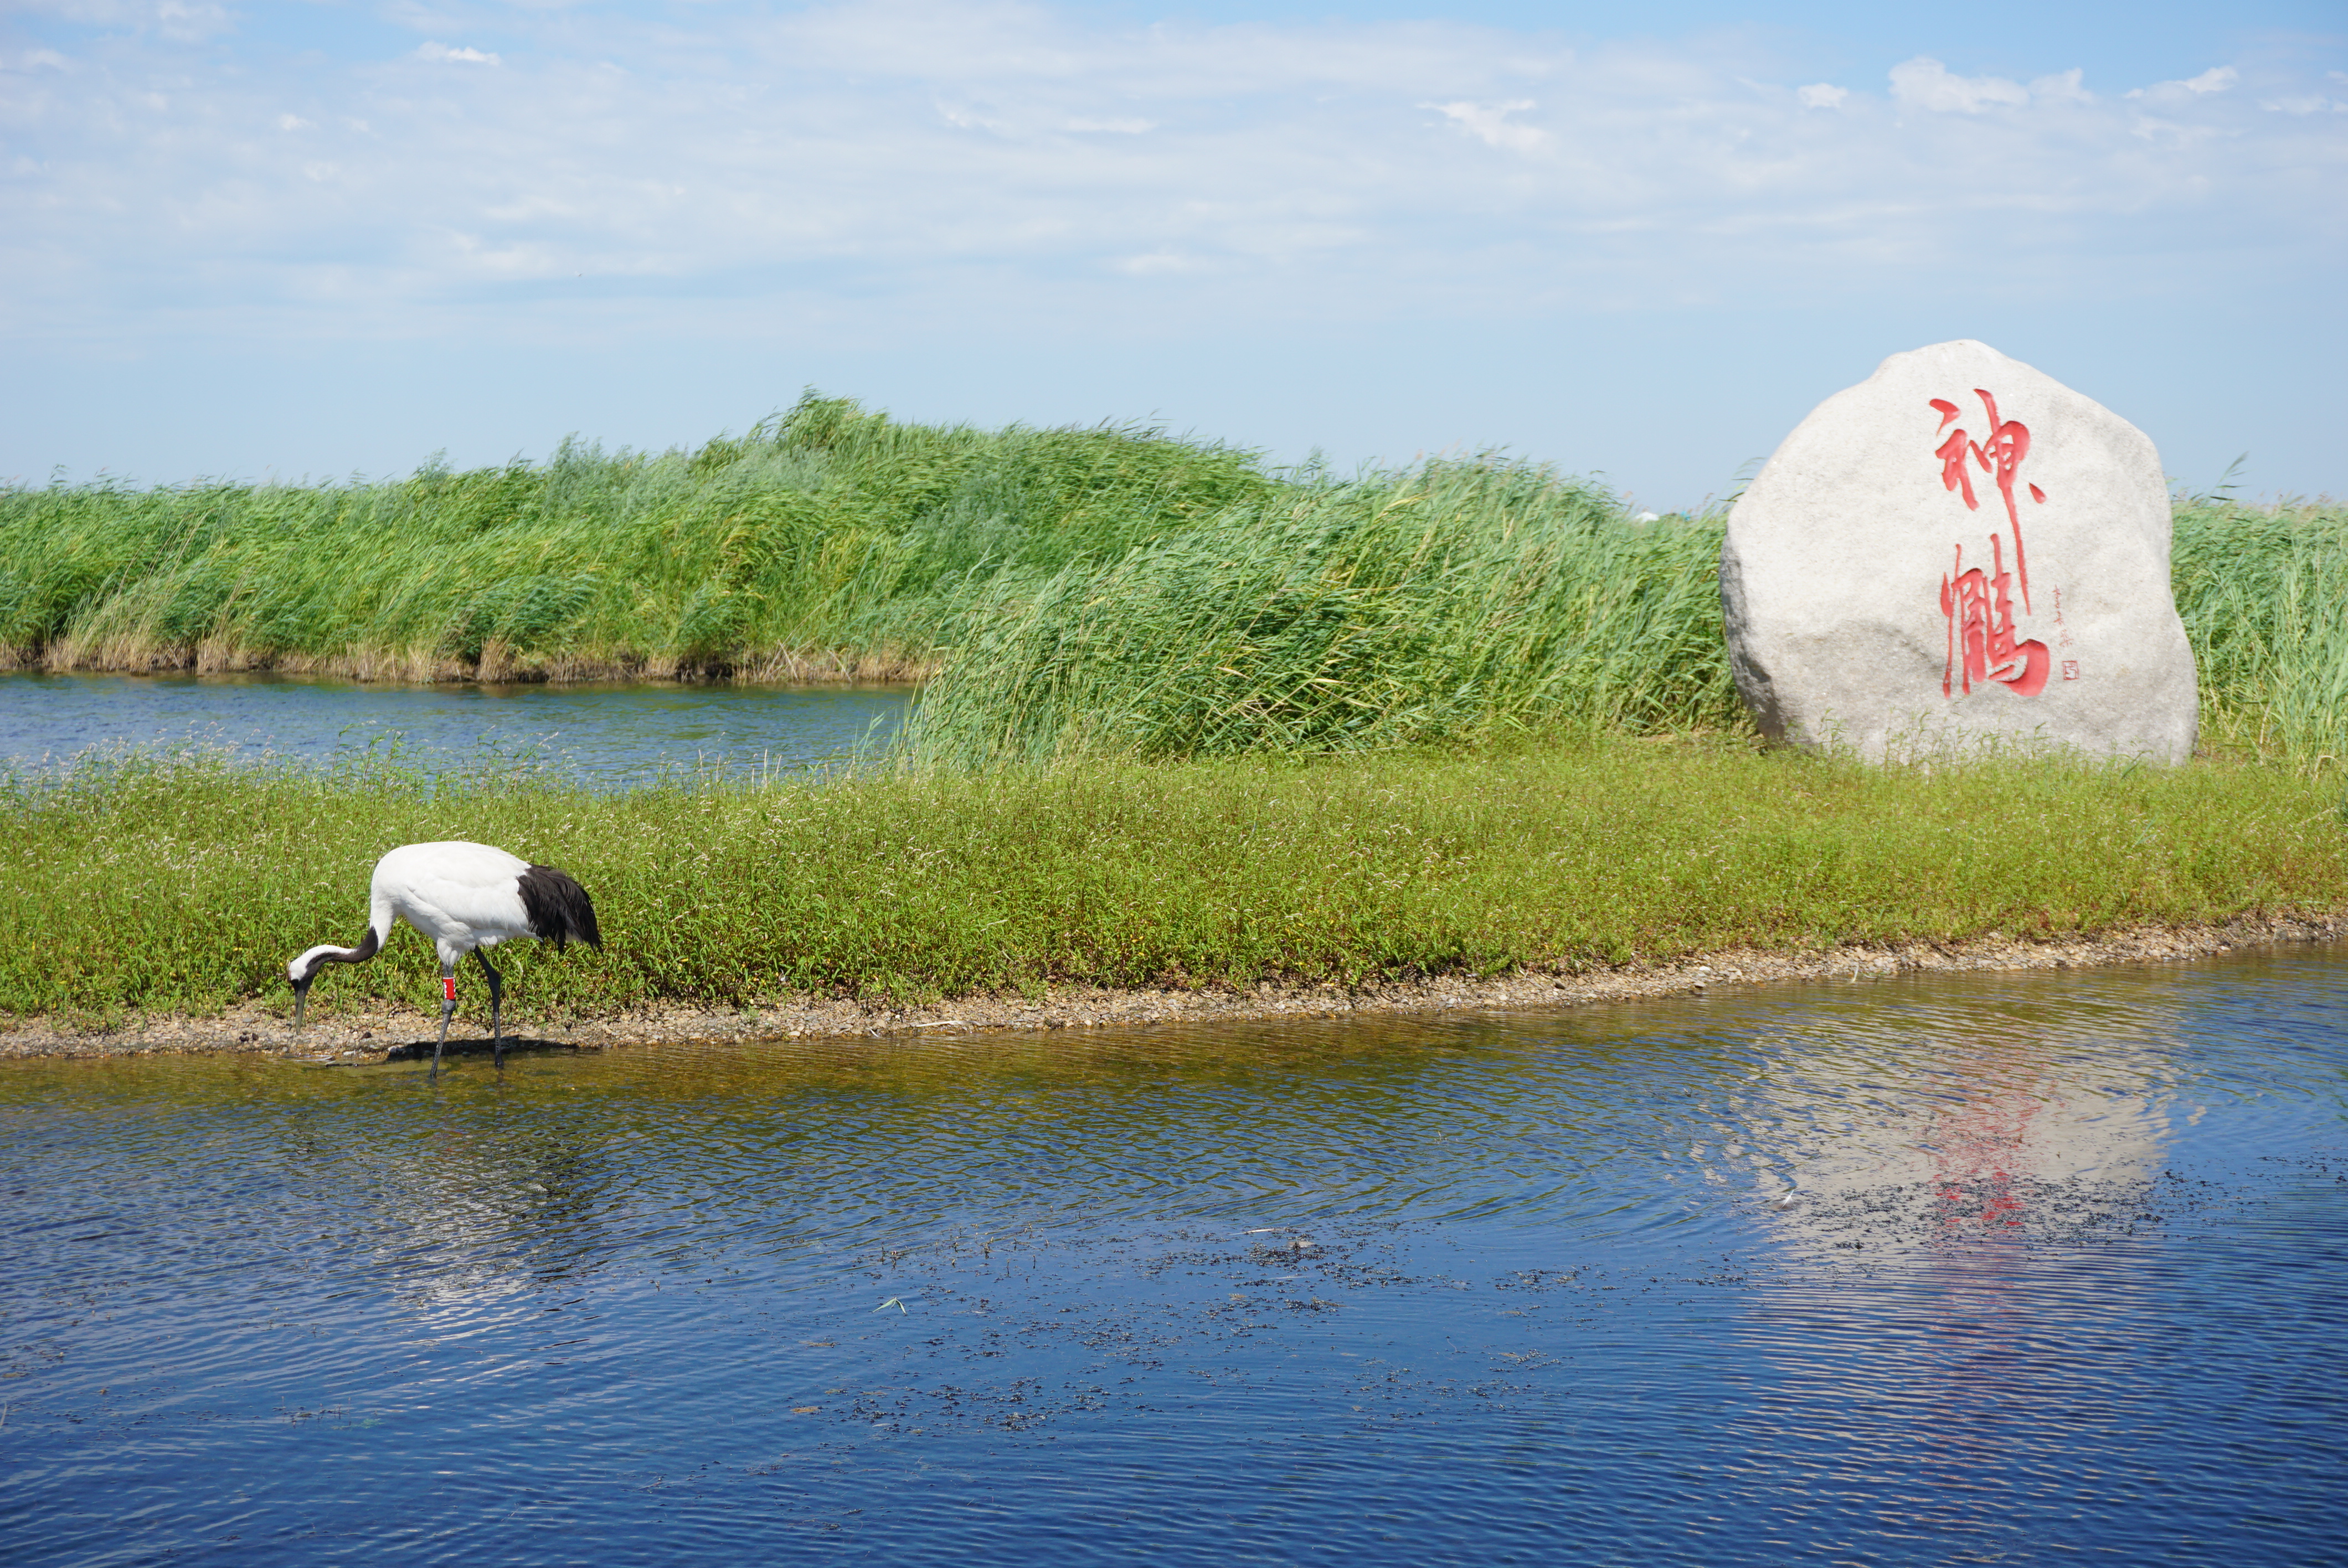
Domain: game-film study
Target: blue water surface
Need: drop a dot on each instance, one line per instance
(2014, 1269)
(606, 735)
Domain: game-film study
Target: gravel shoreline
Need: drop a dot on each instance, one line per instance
(339, 1034)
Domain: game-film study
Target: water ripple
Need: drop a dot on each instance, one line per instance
(1999, 1268)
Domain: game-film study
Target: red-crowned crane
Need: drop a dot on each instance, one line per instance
(463, 898)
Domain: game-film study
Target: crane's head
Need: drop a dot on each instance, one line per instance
(302, 971)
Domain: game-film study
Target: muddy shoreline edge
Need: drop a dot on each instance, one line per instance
(360, 1035)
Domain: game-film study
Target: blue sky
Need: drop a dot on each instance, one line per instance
(309, 237)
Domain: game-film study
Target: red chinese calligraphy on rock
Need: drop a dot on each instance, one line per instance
(2000, 454)
(1982, 641)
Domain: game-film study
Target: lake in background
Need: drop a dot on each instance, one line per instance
(606, 735)
(1996, 1269)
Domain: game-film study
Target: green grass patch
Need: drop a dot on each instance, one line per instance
(182, 885)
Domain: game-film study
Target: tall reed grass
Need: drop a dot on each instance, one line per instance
(1457, 602)
(2264, 594)
(1078, 593)
(1465, 601)
(828, 540)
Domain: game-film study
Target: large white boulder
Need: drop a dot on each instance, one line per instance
(1959, 550)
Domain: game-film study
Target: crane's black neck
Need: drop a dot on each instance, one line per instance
(369, 945)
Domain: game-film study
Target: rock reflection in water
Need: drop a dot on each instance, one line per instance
(1968, 1127)
(1953, 1183)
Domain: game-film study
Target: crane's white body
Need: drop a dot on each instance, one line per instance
(457, 896)
(463, 898)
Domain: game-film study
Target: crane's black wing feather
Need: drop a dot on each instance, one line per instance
(558, 908)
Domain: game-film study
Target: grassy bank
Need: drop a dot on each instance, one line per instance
(183, 887)
(1085, 593)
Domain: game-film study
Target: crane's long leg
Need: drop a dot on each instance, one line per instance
(448, 1011)
(497, 992)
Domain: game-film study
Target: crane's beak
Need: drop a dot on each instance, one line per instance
(301, 996)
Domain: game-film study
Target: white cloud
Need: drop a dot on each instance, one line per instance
(1488, 123)
(1159, 263)
(965, 119)
(179, 20)
(442, 52)
(174, 19)
(2216, 79)
(925, 155)
(2064, 88)
(1925, 83)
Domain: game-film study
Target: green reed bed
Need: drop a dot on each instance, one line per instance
(2264, 594)
(1466, 602)
(1457, 602)
(183, 885)
(829, 539)
(1088, 593)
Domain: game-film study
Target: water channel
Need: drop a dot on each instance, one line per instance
(603, 736)
(2014, 1269)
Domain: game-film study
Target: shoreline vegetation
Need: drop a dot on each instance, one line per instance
(827, 543)
(147, 889)
(1066, 594)
(377, 1031)
(1193, 728)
